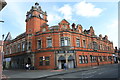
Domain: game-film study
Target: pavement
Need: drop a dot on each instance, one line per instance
(38, 74)
(110, 71)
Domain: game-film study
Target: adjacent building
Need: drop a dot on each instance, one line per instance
(2, 5)
(50, 47)
(117, 55)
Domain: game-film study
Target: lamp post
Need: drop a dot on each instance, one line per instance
(1, 57)
(2, 21)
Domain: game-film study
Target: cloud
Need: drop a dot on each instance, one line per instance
(87, 9)
(80, 9)
(53, 19)
(66, 10)
(112, 31)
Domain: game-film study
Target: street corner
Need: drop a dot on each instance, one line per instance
(4, 77)
(57, 70)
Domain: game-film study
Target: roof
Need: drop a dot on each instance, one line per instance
(21, 35)
(65, 21)
(8, 37)
(54, 27)
(2, 4)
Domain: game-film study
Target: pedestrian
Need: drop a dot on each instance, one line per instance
(65, 66)
(27, 66)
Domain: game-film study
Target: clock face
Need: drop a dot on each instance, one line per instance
(41, 15)
(29, 15)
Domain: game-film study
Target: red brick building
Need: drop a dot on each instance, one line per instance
(47, 47)
(1, 47)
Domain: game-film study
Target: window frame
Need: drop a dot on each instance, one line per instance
(77, 42)
(49, 42)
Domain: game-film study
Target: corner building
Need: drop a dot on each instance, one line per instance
(45, 47)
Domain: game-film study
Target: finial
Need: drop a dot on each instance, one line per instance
(36, 3)
(91, 27)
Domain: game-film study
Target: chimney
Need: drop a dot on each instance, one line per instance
(73, 26)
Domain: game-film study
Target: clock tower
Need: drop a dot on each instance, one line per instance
(35, 18)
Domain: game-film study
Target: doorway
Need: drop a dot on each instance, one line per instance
(29, 61)
(61, 62)
(70, 62)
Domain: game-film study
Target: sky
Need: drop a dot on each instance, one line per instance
(102, 15)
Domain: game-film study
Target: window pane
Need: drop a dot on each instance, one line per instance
(49, 43)
(47, 61)
(39, 44)
(66, 42)
(41, 61)
(80, 59)
(84, 44)
(78, 42)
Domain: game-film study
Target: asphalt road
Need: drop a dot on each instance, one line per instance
(107, 72)
(110, 71)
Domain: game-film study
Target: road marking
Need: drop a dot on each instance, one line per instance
(89, 73)
(95, 67)
(101, 73)
(62, 79)
(89, 76)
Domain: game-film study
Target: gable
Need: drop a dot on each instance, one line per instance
(64, 21)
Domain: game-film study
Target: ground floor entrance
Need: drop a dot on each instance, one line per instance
(65, 59)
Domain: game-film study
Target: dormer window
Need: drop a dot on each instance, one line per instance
(43, 30)
(64, 26)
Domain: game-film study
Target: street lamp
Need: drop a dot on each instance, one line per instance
(2, 57)
(2, 21)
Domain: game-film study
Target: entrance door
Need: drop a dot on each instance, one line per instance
(70, 62)
(61, 62)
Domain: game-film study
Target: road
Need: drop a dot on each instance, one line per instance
(110, 71)
(102, 72)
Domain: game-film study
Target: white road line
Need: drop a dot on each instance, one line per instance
(89, 76)
(89, 73)
(101, 72)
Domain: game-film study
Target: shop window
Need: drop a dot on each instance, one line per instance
(83, 59)
(91, 59)
(44, 61)
(47, 61)
(41, 61)
(109, 58)
(104, 58)
(86, 59)
(100, 58)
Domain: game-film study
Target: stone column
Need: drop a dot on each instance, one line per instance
(66, 58)
(33, 59)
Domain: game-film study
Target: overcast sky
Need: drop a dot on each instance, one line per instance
(103, 16)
